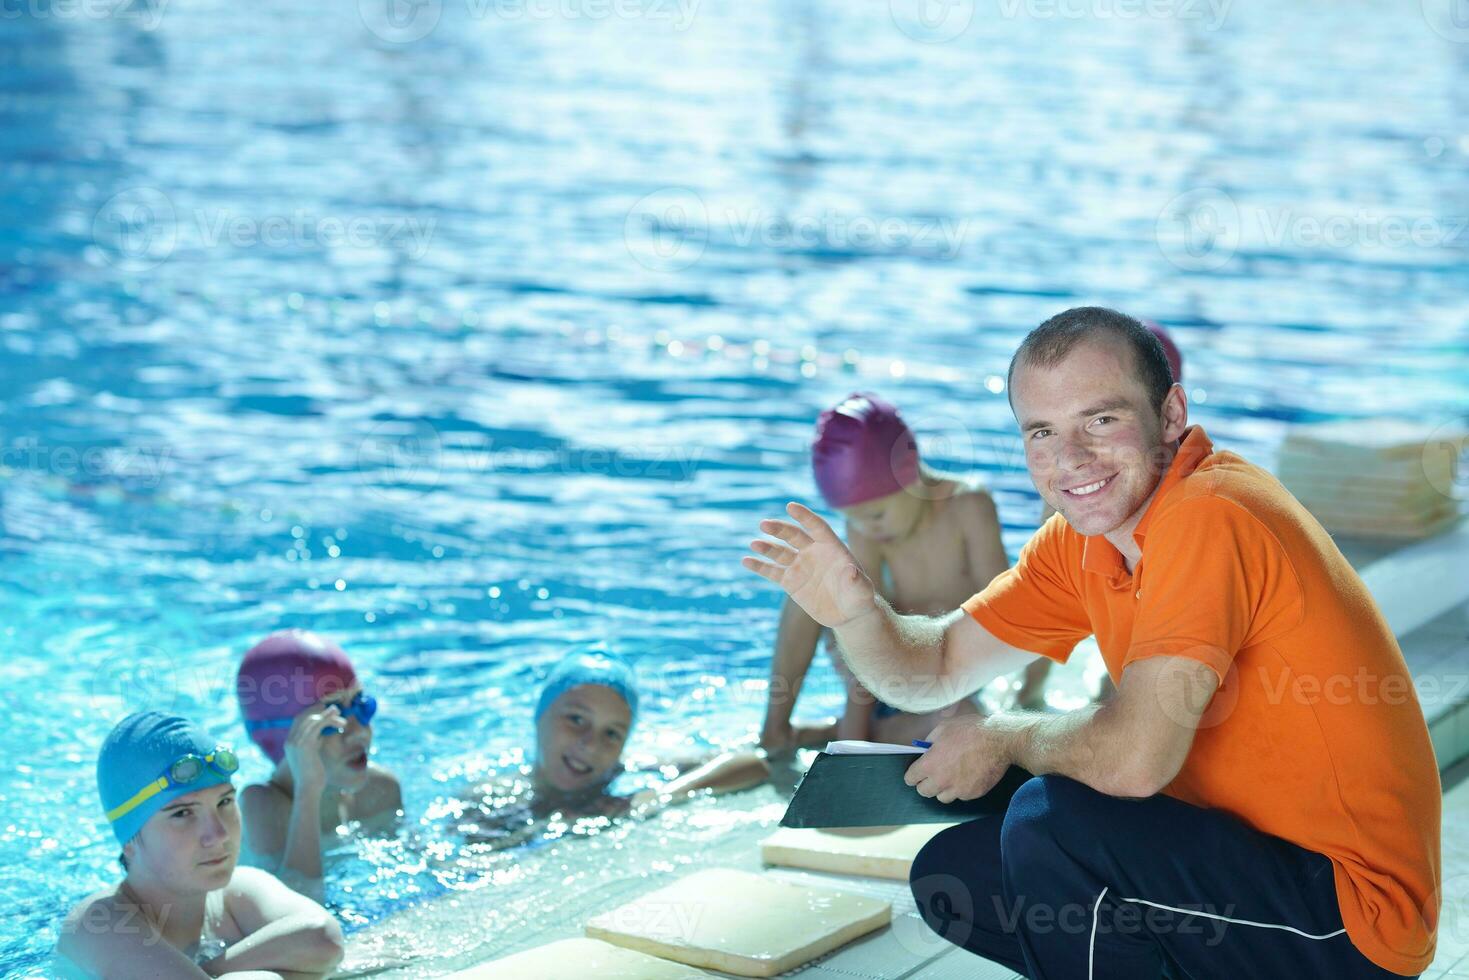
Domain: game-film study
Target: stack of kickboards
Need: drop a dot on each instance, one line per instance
(1376, 477)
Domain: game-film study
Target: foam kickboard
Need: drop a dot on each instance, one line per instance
(580, 959)
(739, 922)
(875, 852)
(1366, 508)
(1411, 494)
(1366, 440)
(1402, 525)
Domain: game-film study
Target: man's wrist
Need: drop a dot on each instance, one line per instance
(874, 612)
(864, 625)
(1013, 730)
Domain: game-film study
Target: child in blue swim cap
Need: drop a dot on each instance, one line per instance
(184, 909)
(586, 710)
(583, 718)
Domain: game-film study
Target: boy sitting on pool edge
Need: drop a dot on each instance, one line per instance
(924, 537)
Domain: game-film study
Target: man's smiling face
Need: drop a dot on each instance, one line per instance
(1094, 446)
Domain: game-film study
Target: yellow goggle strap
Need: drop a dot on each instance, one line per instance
(139, 798)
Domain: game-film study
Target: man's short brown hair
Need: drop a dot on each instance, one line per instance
(1049, 344)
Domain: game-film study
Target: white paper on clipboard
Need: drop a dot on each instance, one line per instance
(856, 747)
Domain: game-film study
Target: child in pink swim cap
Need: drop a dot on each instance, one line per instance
(927, 540)
(307, 711)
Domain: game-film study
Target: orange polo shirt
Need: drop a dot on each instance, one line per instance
(1315, 734)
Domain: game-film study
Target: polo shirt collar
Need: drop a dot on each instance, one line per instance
(1099, 555)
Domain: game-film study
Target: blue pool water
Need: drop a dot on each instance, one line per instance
(465, 346)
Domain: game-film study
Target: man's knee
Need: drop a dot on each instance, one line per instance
(1043, 811)
(944, 898)
(955, 887)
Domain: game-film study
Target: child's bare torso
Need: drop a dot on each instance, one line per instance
(931, 571)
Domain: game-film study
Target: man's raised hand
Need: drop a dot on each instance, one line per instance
(814, 567)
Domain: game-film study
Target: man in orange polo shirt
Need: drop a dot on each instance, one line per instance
(1260, 799)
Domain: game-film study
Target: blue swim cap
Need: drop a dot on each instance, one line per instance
(138, 751)
(591, 664)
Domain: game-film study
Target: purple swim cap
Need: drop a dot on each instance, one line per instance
(1170, 349)
(283, 675)
(863, 450)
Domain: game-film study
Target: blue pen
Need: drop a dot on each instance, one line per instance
(920, 743)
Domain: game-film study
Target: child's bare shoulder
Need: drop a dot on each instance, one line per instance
(263, 800)
(265, 810)
(970, 503)
(84, 930)
(383, 794)
(100, 906)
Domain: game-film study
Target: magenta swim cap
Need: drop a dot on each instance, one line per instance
(863, 450)
(284, 674)
(1170, 349)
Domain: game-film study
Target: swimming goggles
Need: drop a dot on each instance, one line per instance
(362, 707)
(186, 769)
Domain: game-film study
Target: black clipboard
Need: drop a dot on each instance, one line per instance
(868, 791)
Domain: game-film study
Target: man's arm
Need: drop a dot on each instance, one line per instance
(1131, 746)
(1134, 744)
(914, 663)
(924, 663)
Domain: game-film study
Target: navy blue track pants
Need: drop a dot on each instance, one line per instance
(1070, 883)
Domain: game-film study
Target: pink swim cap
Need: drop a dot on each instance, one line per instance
(863, 450)
(284, 674)
(1170, 349)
